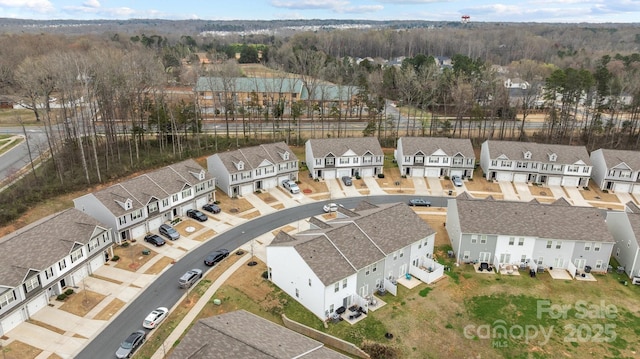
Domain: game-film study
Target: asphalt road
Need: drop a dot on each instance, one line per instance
(18, 157)
(164, 290)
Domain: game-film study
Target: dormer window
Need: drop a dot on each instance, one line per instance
(199, 175)
(285, 156)
(553, 157)
(240, 166)
(527, 155)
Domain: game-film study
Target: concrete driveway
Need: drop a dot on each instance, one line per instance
(508, 191)
(576, 197)
(522, 189)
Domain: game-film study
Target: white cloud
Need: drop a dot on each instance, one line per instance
(310, 4)
(91, 3)
(37, 5)
(363, 9)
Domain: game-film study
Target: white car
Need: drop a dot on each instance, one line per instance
(155, 318)
(291, 186)
(331, 207)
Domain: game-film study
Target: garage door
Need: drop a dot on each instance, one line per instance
(269, 183)
(504, 176)
(457, 173)
(344, 172)
(520, 178)
(328, 174)
(246, 189)
(417, 172)
(139, 231)
(554, 181)
(636, 188)
(155, 223)
(282, 179)
(201, 201)
(78, 276)
(571, 181)
(36, 304)
(11, 321)
(366, 172)
(622, 187)
(433, 172)
(96, 262)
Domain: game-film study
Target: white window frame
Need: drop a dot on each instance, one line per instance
(7, 298)
(31, 284)
(76, 255)
(596, 247)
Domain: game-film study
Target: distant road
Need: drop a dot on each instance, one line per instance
(18, 157)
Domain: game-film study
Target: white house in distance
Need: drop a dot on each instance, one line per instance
(553, 165)
(342, 262)
(137, 206)
(555, 235)
(338, 157)
(616, 170)
(43, 259)
(435, 157)
(249, 169)
(625, 228)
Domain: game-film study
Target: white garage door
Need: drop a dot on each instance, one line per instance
(246, 189)
(622, 187)
(201, 201)
(520, 177)
(636, 188)
(96, 262)
(78, 276)
(457, 173)
(554, 181)
(282, 179)
(138, 231)
(328, 174)
(155, 223)
(344, 172)
(366, 172)
(571, 181)
(504, 176)
(417, 172)
(433, 172)
(37, 303)
(186, 207)
(11, 322)
(269, 183)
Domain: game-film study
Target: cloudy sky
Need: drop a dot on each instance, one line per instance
(594, 11)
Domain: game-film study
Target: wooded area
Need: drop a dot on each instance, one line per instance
(114, 103)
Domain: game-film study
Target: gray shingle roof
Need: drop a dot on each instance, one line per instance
(634, 221)
(429, 145)
(351, 244)
(240, 334)
(254, 156)
(338, 146)
(249, 84)
(613, 158)
(41, 244)
(532, 219)
(539, 152)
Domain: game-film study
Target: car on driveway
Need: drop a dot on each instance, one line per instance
(291, 186)
(129, 345)
(347, 180)
(155, 317)
(457, 181)
(154, 239)
(419, 202)
(190, 277)
(213, 208)
(197, 215)
(216, 257)
(331, 207)
(168, 231)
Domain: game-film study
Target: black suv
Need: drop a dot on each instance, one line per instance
(197, 215)
(210, 207)
(154, 239)
(216, 257)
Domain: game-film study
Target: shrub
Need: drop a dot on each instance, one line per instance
(446, 177)
(61, 297)
(380, 175)
(404, 176)
(125, 244)
(115, 258)
(265, 274)
(68, 291)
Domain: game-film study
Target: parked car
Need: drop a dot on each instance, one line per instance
(155, 317)
(331, 207)
(197, 215)
(419, 202)
(129, 345)
(213, 208)
(346, 180)
(291, 186)
(216, 257)
(457, 181)
(154, 239)
(169, 232)
(192, 276)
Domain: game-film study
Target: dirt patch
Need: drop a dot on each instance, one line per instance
(321, 197)
(539, 191)
(82, 302)
(278, 206)
(252, 214)
(309, 186)
(46, 326)
(106, 279)
(159, 265)
(110, 310)
(76, 335)
(480, 184)
(56, 356)
(487, 195)
(206, 235)
(393, 181)
(19, 350)
(266, 197)
(233, 205)
(364, 192)
(131, 257)
(596, 194)
(286, 229)
(438, 223)
(182, 227)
